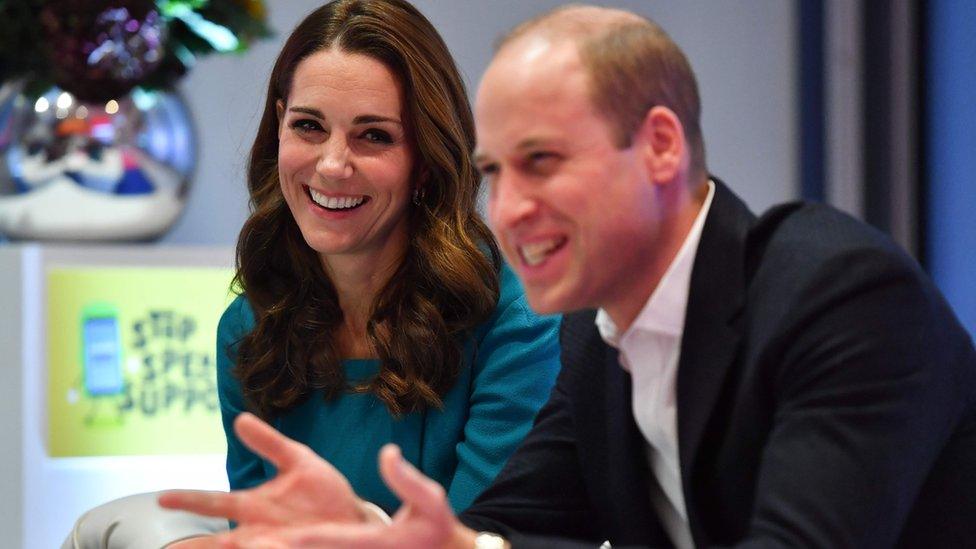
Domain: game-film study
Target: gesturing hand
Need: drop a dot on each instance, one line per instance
(306, 490)
(424, 520)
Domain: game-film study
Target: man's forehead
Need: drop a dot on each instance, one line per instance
(535, 52)
(533, 70)
(529, 101)
(532, 49)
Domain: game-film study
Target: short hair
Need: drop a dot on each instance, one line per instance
(632, 64)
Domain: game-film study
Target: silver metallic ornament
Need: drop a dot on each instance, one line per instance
(80, 171)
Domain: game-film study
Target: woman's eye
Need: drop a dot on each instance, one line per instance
(377, 136)
(305, 125)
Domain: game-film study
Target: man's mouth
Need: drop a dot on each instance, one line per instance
(535, 253)
(336, 203)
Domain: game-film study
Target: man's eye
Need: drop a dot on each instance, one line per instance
(377, 136)
(305, 125)
(538, 157)
(541, 161)
(487, 171)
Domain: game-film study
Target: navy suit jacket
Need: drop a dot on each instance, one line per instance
(826, 398)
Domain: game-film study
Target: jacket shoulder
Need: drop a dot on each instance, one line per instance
(798, 244)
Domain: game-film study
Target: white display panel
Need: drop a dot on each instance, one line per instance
(43, 495)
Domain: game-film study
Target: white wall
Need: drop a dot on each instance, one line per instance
(744, 54)
(11, 396)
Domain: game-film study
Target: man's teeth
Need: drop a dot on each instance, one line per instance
(334, 203)
(536, 252)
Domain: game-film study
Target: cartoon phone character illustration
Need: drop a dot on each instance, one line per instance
(101, 350)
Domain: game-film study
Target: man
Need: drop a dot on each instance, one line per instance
(791, 380)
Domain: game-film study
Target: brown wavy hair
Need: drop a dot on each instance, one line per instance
(447, 282)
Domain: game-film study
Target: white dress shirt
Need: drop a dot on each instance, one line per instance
(649, 351)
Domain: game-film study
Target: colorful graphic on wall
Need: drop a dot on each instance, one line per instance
(131, 356)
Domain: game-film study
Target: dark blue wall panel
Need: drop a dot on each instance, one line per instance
(951, 146)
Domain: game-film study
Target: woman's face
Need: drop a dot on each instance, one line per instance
(344, 159)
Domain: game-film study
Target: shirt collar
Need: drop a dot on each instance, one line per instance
(664, 311)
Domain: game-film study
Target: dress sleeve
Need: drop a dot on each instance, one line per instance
(244, 468)
(515, 367)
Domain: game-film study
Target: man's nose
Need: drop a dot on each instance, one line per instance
(334, 163)
(511, 201)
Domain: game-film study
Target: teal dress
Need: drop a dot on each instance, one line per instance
(507, 378)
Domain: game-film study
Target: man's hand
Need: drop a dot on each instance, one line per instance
(201, 542)
(425, 520)
(306, 490)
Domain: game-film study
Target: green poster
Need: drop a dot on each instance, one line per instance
(130, 354)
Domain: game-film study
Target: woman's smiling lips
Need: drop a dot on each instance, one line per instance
(334, 206)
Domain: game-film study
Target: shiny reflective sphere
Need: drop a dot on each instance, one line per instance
(81, 171)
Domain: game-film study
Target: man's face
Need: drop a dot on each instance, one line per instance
(575, 215)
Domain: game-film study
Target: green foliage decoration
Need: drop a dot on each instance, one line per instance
(192, 28)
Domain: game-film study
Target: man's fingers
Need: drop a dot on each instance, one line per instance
(211, 504)
(201, 542)
(410, 485)
(322, 536)
(265, 441)
(246, 537)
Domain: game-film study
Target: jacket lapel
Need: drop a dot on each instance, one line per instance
(629, 478)
(711, 337)
(612, 449)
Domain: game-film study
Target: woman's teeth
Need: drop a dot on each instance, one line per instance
(334, 203)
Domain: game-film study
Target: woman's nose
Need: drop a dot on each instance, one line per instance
(334, 163)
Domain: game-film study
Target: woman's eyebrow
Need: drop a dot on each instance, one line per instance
(374, 118)
(361, 119)
(307, 110)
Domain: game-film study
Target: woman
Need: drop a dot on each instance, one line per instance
(366, 270)
(374, 307)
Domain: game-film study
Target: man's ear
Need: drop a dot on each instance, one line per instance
(663, 145)
(280, 111)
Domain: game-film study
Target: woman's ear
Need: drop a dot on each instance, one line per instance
(420, 184)
(662, 140)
